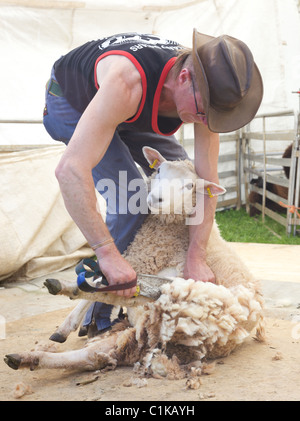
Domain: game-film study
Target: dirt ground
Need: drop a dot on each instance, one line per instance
(255, 371)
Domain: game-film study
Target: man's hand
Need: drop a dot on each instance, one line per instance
(115, 268)
(198, 270)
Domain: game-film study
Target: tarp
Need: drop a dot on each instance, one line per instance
(37, 235)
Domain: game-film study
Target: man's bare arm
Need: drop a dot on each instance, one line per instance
(206, 165)
(116, 101)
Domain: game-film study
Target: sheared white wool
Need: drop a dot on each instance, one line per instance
(204, 314)
(187, 326)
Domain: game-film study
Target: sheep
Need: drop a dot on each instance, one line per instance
(188, 321)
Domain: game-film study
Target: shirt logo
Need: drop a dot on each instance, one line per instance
(139, 41)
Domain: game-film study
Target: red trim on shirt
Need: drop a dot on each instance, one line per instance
(161, 82)
(140, 70)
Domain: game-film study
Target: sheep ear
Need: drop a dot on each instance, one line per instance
(154, 158)
(212, 189)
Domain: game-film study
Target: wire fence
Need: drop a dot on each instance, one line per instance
(259, 166)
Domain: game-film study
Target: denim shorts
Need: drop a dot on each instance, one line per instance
(60, 118)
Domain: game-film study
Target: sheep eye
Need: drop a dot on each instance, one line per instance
(190, 186)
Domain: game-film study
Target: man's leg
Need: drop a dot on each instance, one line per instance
(119, 181)
(60, 118)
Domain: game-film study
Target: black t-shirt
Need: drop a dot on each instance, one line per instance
(153, 57)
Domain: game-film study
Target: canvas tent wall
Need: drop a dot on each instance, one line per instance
(34, 33)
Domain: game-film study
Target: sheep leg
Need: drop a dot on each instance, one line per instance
(94, 356)
(70, 289)
(81, 359)
(71, 322)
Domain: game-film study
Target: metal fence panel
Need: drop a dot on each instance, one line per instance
(267, 165)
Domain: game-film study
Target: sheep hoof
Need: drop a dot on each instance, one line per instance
(58, 337)
(13, 361)
(53, 286)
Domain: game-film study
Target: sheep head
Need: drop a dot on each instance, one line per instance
(174, 187)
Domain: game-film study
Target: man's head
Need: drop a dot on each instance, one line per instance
(229, 82)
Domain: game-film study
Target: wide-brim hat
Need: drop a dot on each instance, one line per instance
(228, 79)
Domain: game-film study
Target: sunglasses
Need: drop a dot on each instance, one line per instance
(197, 110)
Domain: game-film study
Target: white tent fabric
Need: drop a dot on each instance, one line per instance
(34, 33)
(37, 235)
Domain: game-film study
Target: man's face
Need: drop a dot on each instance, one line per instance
(189, 102)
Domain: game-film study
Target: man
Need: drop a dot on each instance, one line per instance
(109, 98)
